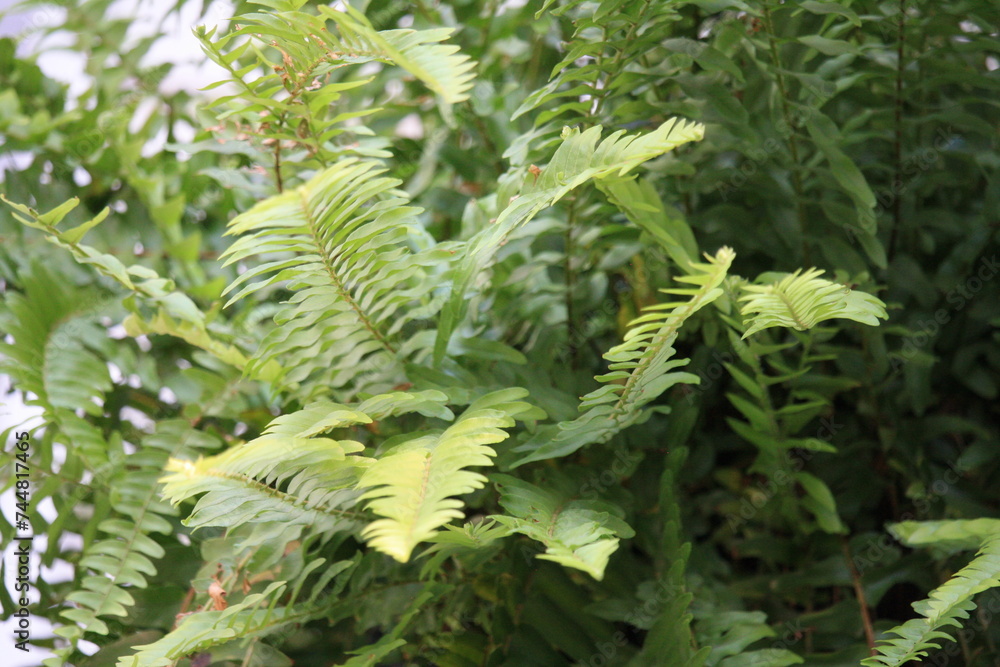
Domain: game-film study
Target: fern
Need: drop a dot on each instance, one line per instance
(946, 605)
(642, 368)
(340, 242)
(126, 557)
(581, 534)
(578, 159)
(413, 484)
(803, 300)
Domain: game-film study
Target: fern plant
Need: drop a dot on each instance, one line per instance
(433, 348)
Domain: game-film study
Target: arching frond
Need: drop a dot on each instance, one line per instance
(284, 475)
(581, 534)
(126, 556)
(340, 243)
(642, 367)
(413, 485)
(801, 300)
(944, 607)
(578, 159)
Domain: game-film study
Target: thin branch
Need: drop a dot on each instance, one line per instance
(859, 593)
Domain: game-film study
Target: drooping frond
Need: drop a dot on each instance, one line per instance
(176, 314)
(945, 606)
(312, 46)
(127, 555)
(419, 52)
(642, 367)
(285, 475)
(413, 485)
(580, 534)
(340, 243)
(578, 159)
(801, 300)
(640, 203)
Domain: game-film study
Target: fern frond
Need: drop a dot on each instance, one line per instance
(578, 159)
(944, 607)
(802, 300)
(339, 241)
(281, 476)
(414, 484)
(127, 556)
(176, 314)
(642, 367)
(581, 534)
(419, 52)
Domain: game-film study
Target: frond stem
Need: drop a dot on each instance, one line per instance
(341, 288)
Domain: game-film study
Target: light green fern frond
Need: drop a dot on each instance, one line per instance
(340, 243)
(419, 52)
(284, 475)
(642, 367)
(801, 300)
(414, 484)
(578, 159)
(944, 607)
(581, 534)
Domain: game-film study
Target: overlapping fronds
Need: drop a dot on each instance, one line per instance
(578, 159)
(581, 534)
(127, 554)
(946, 606)
(176, 314)
(340, 243)
(285, 475)
(642, 367)
(311, 47)
(413, 485)
(801, 300)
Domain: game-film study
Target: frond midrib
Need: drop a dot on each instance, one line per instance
(328, 265)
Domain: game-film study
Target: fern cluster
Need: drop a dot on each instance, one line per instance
(489, 389)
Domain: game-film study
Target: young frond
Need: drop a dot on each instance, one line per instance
(581, 534)
(944, 607)
(340, 243)
(284, 475)
(642, 367)
(801, 300)
(413, 485)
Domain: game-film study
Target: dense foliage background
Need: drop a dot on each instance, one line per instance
(762, 516)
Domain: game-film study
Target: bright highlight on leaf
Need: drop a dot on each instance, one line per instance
(801, 300)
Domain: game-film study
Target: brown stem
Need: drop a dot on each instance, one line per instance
(570, 283)
(277, 166)
(859, 593)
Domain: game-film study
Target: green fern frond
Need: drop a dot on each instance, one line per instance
(414, 484)
(127, 556)
(578, 159)
(419, 52)
(176, 314)
(642, 367)
(581, 534)
(944, 607)
(280, 476)
(339, 242)
(802, 300)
